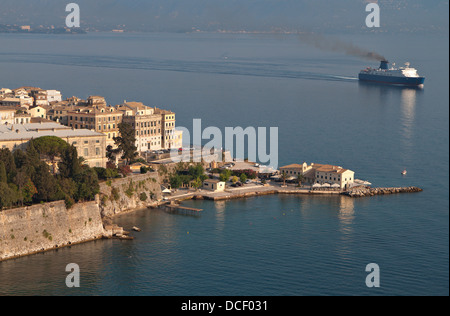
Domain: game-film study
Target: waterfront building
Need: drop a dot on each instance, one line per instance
(214, 185)
(90, 145)
(321, 174)
(334, 174)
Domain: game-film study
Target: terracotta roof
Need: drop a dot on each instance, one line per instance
(294, 165)
(328, 168)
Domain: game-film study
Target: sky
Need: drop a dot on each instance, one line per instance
(232, 15)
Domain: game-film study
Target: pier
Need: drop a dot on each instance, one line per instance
(178, 209)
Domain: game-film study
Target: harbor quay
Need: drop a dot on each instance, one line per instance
(272, 189)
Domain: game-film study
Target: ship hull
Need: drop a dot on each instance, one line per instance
(405, 81)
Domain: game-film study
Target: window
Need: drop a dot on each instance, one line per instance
(97, 151)
(86, 152)
(86, 142)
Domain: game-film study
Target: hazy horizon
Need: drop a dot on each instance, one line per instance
(232, 15)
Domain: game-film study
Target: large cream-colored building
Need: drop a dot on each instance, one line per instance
(168, 128)
(90, 145)
(155, 128)
(101, 119)
(321, 173)
(147, 125)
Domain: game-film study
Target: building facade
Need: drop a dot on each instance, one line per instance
(321, 174)
(90, 145)
(101, 119)
(155, 128)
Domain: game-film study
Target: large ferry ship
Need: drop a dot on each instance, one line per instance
(389, 75)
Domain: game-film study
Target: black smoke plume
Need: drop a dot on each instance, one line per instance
(334, 45)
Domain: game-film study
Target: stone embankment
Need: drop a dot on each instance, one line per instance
(42, 227)
(367, 191)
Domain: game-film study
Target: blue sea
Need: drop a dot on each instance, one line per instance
(270, 245)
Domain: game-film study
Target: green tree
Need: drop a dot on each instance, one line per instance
(46, 185)
(176, 181)
(126, 142)
(33, 157)
(3, 176)
(50, 146)
(70, 165)
(197, 183)
(6, 196)
(225, 175)
(88, 187)
(243, 177)
(111, 155)
(28, 191)
(7, 158)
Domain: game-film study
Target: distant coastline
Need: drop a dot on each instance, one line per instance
(27, 29)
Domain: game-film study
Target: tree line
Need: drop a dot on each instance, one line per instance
(29, 176)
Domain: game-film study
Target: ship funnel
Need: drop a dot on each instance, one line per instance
(384, 64)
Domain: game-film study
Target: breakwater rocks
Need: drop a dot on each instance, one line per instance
(367, 191)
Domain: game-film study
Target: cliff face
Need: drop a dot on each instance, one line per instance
(47, 226)
(135, 192)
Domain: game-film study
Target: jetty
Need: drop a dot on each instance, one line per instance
(368, 191)
(178, 209)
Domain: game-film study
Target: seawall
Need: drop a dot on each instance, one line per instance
(42, 227)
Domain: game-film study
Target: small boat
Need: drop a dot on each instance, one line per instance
(137, 229)
(404, 172)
